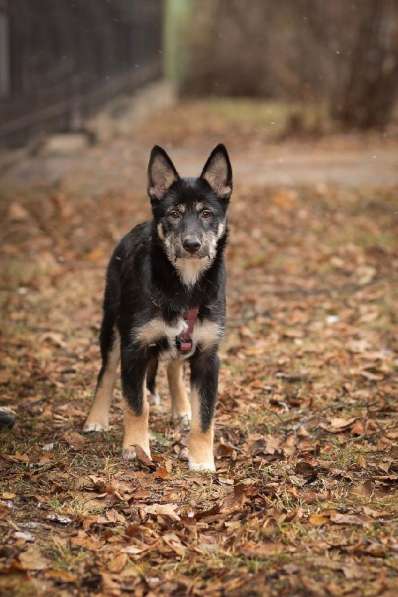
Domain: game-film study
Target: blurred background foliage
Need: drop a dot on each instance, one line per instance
(339, 57)
(301, 67)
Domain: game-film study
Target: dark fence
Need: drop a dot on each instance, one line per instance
(61, 59)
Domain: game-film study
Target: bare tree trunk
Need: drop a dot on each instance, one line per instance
(345, 53)
(367, 97)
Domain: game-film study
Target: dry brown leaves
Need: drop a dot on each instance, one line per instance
(304, 501)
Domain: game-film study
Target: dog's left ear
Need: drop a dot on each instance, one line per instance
(218, 172)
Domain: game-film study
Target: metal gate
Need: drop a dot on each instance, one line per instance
(61, 59)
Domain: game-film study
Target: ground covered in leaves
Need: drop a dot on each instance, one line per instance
(304, 501)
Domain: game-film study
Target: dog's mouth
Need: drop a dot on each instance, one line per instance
(192, 256)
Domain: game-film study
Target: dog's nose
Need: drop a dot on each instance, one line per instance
(190, 244)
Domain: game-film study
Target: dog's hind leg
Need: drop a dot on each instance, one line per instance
(98, 418)
(135, 362)
(180, 406)
(151, 382)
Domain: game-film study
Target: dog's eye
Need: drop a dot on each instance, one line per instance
(175, 214)
(206, 213)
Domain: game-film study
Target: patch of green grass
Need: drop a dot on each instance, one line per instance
(18, 272)
(265, 421)
(65, 558)
(345, 456)
(266, 114)
(160, 439)
(14, 585)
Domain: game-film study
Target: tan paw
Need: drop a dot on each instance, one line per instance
(182, 421)
(130, 453)
(154, 399)
(202, 467)
(90, 426)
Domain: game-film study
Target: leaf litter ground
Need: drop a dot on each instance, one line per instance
(304, 501)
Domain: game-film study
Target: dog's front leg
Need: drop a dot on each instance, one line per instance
(204, 382)
(181, 408)
(134, 363)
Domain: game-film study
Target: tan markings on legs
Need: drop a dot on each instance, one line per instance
(181, 408)
(136, 430)
(200, 444)
(98, 418)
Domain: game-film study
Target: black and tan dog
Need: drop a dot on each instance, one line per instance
(165, 299)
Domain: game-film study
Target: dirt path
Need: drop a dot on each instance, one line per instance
(304, 501)
(120, 163)
(287, 165)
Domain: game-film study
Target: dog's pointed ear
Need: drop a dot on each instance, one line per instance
(218, 172)
(161, 173)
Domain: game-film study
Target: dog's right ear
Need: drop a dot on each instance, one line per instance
(161, 173)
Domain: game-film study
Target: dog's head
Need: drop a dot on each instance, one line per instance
(190, 213)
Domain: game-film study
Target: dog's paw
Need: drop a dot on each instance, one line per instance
(95, 426)
(182, 421)
(202, 467)
(154, 399)
(130, 453)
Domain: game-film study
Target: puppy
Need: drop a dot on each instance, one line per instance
(165, 299)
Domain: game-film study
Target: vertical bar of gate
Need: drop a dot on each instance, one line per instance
(5, 81)
(75, 115)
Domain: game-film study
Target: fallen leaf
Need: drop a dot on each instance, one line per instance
(168, 510)
(60, 575)
(175, 544)
(162, 473)
(118, 563)
(338, 518)
(364, 489)
(338, 424)
(358, 428)
(139, 548)
(302, 432)
(352, 571)
(33, 559)
(114, 516)
(7, 495)
(236, 499)
(256, 550)
(17, 212)
(20, 457)
(306, 470)
(24, 536)
(56, 339)
(74, 439)
(54, 517)
(88, 542)
(95, 255)
(318, 519)
(109, 585)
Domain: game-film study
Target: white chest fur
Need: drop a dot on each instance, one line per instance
(189, 270)
(205, 332)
